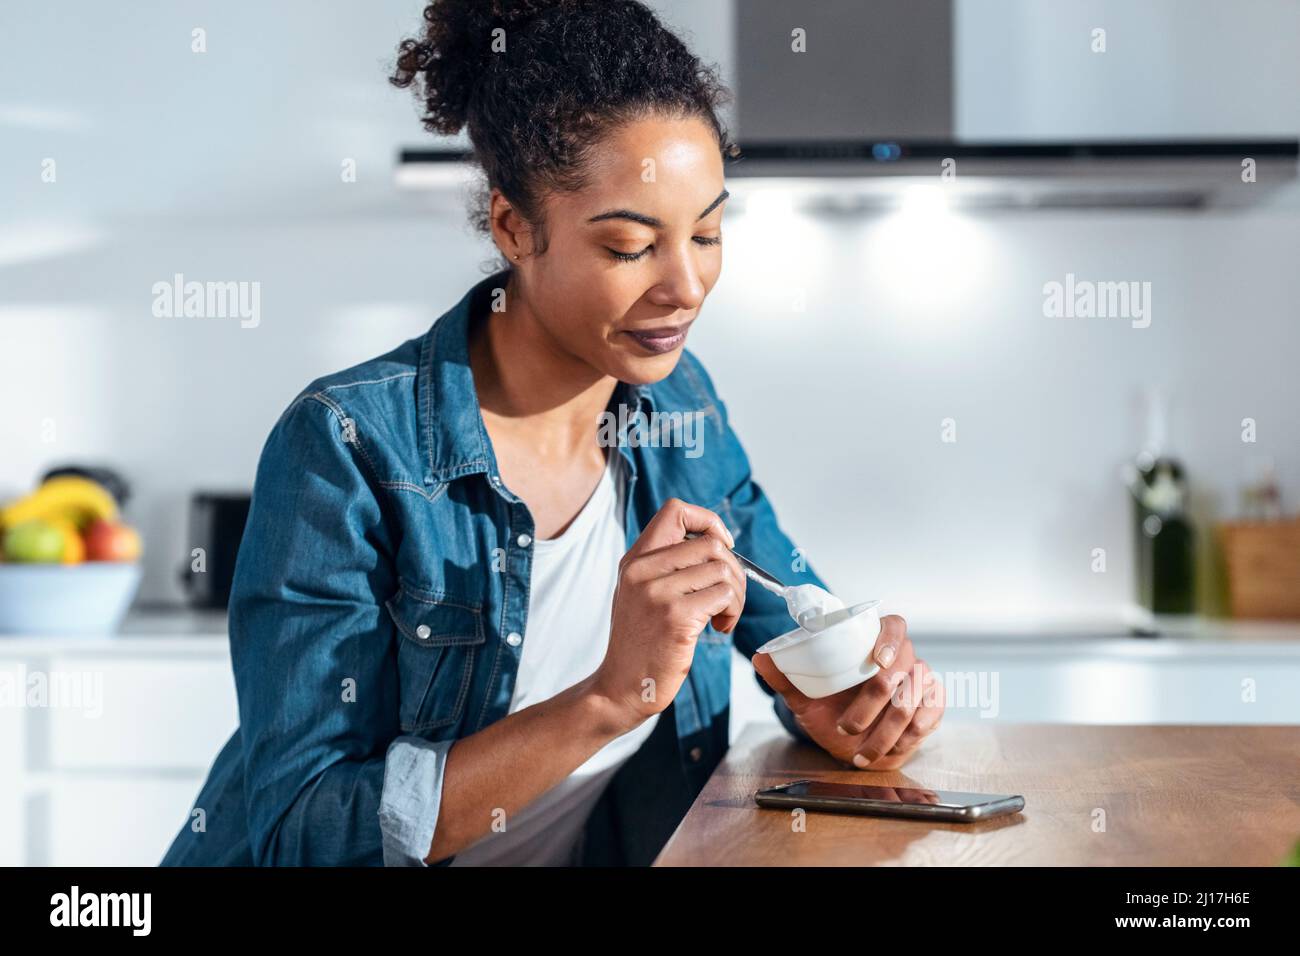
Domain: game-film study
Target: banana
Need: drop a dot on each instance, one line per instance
(71, 497)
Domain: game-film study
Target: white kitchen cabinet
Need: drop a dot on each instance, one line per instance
(105, 744)
(1122, 680)
(110, 820)
(13, 735)
(156, 713)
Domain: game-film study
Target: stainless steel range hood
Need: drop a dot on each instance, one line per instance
(868, 111)
(863, 175)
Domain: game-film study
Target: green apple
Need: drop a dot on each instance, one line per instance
(34, 542)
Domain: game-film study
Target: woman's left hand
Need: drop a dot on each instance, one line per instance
(880, 723)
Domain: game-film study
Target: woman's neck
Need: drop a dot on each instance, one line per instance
(525, 381)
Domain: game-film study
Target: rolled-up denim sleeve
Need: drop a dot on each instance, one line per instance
(314, 654)
(408, 807)
(752, 520)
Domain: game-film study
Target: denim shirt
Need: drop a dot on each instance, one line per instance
(380, 599)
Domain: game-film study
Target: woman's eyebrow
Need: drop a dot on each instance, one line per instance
(651, 221)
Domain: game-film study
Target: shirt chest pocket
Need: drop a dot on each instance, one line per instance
(439, 637)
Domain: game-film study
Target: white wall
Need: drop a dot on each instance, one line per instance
(226, 165)
(904, 328)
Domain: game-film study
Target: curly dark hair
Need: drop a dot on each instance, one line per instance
(539, 83)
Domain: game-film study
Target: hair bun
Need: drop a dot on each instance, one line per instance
(455, 51)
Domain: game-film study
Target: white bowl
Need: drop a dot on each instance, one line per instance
(89, 598)
(825, 662)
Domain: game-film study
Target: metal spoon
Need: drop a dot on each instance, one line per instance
(795, 596)
(752, 570)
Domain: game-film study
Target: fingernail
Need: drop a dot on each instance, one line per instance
(731, 542)
(886, 655)
(841, 730)
(860, 761)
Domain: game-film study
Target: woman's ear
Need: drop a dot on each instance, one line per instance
(513, 236)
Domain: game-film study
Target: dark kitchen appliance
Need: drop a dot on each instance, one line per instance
(216, 526)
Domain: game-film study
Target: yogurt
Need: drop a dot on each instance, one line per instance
(809, 605)
(831, 649)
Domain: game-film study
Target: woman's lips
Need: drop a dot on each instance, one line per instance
(659, 340)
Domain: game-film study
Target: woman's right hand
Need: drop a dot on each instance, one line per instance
(669, 587)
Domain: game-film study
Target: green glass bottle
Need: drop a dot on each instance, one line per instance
(1164, 539)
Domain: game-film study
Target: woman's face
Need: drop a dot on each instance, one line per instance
(631, 257)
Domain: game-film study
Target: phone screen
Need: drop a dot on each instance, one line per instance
(911, 795)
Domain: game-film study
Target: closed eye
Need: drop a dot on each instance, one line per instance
(634, 256)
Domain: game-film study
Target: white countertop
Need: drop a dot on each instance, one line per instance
(182, 631)
(176, 631)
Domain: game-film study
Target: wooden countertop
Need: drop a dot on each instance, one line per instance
(1172, 795)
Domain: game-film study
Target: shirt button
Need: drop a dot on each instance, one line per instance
(524, 540)
(422, 632)
(696, 754)
(514, 639)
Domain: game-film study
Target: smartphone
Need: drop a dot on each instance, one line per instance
(915, 802)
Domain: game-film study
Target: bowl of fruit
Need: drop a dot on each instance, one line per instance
(68, 564)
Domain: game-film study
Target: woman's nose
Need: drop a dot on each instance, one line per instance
(680, 284)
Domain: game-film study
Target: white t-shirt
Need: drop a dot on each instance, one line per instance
(570, 598)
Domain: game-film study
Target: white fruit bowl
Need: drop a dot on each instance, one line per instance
(90, 598)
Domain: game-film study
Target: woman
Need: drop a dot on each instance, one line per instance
(466, 625)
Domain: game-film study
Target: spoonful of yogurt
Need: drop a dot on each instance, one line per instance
(810, 605)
